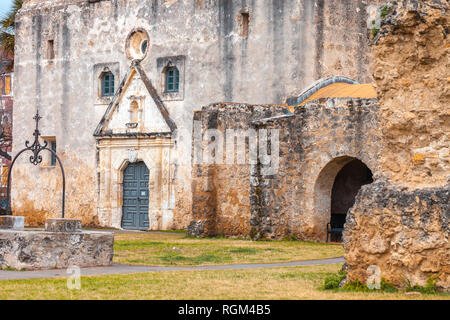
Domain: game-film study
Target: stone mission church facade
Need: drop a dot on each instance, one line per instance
(127, 88)
(117, 84)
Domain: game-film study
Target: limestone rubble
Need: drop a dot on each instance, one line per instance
(401, 222)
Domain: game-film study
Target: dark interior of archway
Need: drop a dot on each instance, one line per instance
(345, 188)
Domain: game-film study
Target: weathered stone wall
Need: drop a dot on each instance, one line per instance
(221, 190)
(6, 123)
(411, 64)
(404, 233)
(401, 223)
(290, 44)
(37, 192)
(314, 144)
(34, 250)
(341, 28)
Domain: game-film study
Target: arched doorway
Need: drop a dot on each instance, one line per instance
(335, 192)
(135, 197)
(346, 186)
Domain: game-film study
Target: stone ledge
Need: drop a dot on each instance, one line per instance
(63, 225)
(12, 222)
(38, 250)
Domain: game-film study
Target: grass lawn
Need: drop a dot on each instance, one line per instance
(175, 249)
(277, 283)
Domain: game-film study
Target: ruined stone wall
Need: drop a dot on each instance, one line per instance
(221, 189)
(403, 232)
(401, 223)
(411, 71)
(315, 144)
(289, 45)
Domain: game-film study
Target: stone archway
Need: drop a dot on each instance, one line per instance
(336, 188)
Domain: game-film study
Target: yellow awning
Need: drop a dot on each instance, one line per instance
(344, 90)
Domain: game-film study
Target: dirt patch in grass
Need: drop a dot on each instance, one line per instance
(179, 250)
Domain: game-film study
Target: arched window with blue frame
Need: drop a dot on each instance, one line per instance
(172, 79)
(107, 84)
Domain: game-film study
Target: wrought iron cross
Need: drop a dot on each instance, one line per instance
(36, 147)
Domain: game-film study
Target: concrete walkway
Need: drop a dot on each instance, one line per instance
(129, 269)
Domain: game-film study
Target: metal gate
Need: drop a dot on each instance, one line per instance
(135, 197)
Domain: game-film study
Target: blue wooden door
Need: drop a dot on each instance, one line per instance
(135, 197)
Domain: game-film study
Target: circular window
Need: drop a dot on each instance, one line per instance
(137, 44)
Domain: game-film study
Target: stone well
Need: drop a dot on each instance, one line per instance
(61, 244)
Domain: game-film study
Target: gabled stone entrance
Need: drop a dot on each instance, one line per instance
(136, 130)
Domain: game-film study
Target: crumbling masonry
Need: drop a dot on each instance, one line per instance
(399, 220)
(379, 160)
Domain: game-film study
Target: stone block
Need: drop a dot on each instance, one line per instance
(196, 228)
(63, 225)
(12, 222)
(400, 231)
(37, 249)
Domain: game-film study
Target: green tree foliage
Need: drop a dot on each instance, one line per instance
(7, 28)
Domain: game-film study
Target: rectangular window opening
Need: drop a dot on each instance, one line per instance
(5, 85)
(51, 49)
(53, 157)
(48, 158)
(107, 84)
(4, 175)
(172, 80)
(245, 24)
